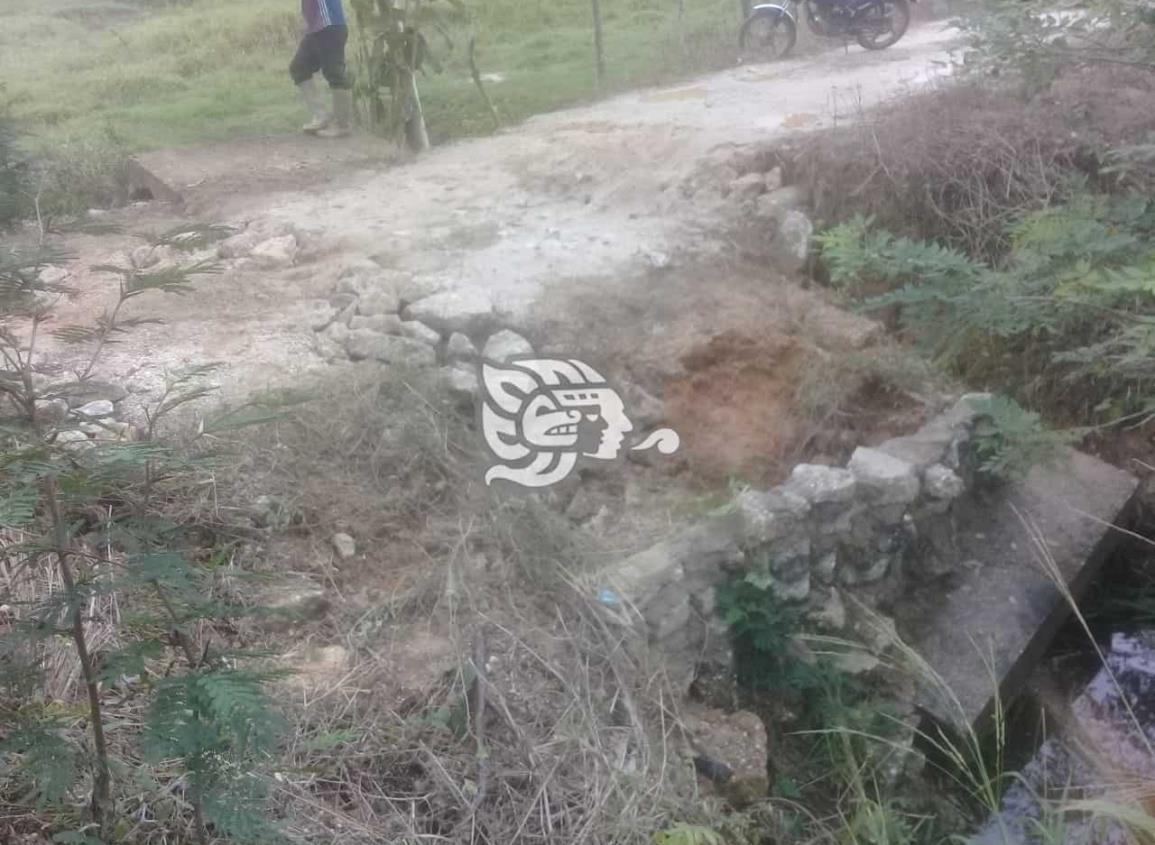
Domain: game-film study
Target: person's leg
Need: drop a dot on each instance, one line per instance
(303, 69)
(332, 55)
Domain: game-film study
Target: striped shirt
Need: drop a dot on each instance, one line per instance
(320, 14)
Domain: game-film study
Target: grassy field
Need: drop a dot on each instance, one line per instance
(167, 72)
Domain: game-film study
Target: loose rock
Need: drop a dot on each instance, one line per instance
(379, 301)
(889, 480)
(96, 409)
(389, 349)
(381, 323)
(822, 484)
(420, 332)
(791, 245)
(942, 483)
(344, 545)
(505, 345)
(750, 185)
(276, 252)
(460, 348)
(468, 311)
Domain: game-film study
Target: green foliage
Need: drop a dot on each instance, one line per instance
(1067, 319)
(1009, 440)
(207, 716)
(1037, 39)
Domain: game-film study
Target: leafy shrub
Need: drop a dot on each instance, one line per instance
(1036, 39)
(1067, 318)
(106, 521)
(1008, 440)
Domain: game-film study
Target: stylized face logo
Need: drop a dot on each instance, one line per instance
(539, 415)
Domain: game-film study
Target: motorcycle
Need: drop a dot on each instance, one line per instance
(771, 29)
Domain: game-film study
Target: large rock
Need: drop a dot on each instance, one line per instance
(419, 331)
(462, 383)
(790, 249)
(505, 345)
(469, 311)
(729, 749)
(774, 207)
(821, 485)
(380, 323)
(885, 479)
(95, 409)
(276, 252)
(376, 302)
(771, 515)
(364, 344)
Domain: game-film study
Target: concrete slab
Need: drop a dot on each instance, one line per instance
(1002, 610)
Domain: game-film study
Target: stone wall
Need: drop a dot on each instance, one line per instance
(868, 531)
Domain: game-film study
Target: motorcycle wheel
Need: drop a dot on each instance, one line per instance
(814, 20)
(768, 34)
(891, 17)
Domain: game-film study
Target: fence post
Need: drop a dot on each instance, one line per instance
(599, 46)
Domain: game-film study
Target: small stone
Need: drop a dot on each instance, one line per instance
(271, 512)
(96, 409)
(460, 348)
(822, 484)
(419, 331)
(505, 345)
(378, 301)
(888, 480)
(770, 515)
(338, 333)
(364, 344)
(296, 600)
(750, 185)
(380, 323)
(942, 483)
(344, 545)
(276, 252)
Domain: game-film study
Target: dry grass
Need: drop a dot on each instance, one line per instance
(961, 162)
(479, 696)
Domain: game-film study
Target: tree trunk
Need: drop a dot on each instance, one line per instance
(102, 804)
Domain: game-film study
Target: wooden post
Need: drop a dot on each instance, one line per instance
(599, 45)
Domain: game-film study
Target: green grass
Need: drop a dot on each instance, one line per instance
(167, 73)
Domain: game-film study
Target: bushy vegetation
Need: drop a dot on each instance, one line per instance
(1064, 321)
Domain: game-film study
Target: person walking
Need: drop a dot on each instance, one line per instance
(323, 49)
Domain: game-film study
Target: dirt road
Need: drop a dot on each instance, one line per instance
(574, 227)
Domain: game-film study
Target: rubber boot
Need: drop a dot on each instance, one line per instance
(341, 125)
(315, 103)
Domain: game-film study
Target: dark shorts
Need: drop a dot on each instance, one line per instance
(322, 51)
